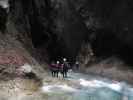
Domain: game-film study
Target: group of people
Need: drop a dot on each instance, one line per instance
(58, 67)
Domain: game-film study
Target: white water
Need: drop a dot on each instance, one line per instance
(85, 87)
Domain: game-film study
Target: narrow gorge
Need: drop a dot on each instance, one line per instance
(34, 33)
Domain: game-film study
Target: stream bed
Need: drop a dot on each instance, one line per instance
(86, 87)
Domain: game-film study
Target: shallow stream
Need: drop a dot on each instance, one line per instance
(87, 87)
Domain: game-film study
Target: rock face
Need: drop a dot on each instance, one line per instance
(15, 46)
(60, 28)
(109, 26)
(33, 32)
(52, 28)
(31, 21)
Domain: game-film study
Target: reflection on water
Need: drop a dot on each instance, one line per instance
(83, 94)
(58, 88)
(89, 89)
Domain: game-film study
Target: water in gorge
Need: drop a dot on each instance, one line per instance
(77, 86)
(86, 87)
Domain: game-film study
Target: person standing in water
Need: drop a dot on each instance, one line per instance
(57, 68)
(77, 65)
(65, 68)
(54, 67)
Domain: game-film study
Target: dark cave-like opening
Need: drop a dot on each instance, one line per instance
(38, 36)
(107, 44)
(126, 53)
(43, 39)
(43, 36)
(3, 19)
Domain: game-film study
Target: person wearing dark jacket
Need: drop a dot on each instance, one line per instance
(54, 69)
(65, 67)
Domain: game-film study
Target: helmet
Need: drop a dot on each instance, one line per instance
(58, 62)
(77, 62)
(64, 59)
